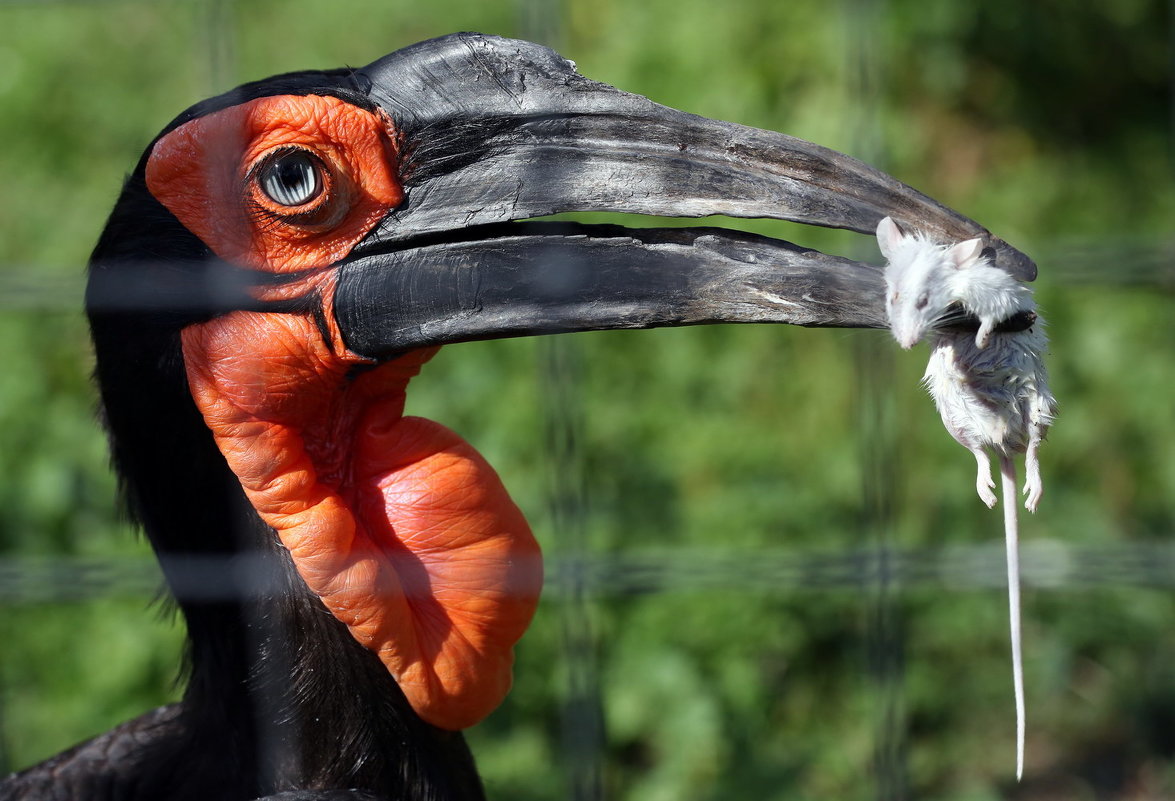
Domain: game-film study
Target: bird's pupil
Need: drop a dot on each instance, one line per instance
(292, 180)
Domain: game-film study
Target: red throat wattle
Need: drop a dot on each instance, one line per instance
(401, 528)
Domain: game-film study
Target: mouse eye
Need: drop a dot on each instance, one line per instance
(923, 299)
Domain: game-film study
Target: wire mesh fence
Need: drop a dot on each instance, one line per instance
(870, 561)
(960, 568)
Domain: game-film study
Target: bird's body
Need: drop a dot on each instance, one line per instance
(280, 264)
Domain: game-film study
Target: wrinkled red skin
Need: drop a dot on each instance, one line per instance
(396, 523)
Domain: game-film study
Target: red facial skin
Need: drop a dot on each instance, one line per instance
(396, 523)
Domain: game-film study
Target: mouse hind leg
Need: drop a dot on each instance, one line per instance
(984, 484)
(1033, 485)
(1040, 416)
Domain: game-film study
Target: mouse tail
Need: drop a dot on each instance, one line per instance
(1012, 541)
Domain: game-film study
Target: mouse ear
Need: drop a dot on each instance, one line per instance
(889, 236)
(965, 254)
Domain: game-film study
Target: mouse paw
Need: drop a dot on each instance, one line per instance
(1033, 486)
(984, 486)
(983, 481)
(1033, 489)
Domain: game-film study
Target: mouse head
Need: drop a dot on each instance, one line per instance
(920, 279)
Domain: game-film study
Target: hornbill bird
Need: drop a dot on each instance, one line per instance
(281, 262)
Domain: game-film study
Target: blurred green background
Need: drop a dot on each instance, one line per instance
(770, 575)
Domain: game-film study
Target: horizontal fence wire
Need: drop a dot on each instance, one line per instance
(1147, 263)
(1134, 263)
(1045, 565)
(24, 288)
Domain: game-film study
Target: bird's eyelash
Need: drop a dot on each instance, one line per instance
(261, 218)
(265, 220)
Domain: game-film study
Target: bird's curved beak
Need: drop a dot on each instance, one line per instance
(495, 131)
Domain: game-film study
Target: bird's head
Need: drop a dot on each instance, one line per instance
(286, 256)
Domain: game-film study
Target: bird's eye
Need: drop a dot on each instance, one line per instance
(293, 178)
(923, 299)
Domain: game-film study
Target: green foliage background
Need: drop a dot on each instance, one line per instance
(1049, 122)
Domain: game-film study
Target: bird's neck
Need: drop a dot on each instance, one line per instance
(279, 692)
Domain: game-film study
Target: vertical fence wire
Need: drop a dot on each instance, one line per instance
(884, 646)
(582, 713)
(220, 44)
(220, 69)
(559, 371)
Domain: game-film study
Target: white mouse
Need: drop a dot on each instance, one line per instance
(990, 387)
